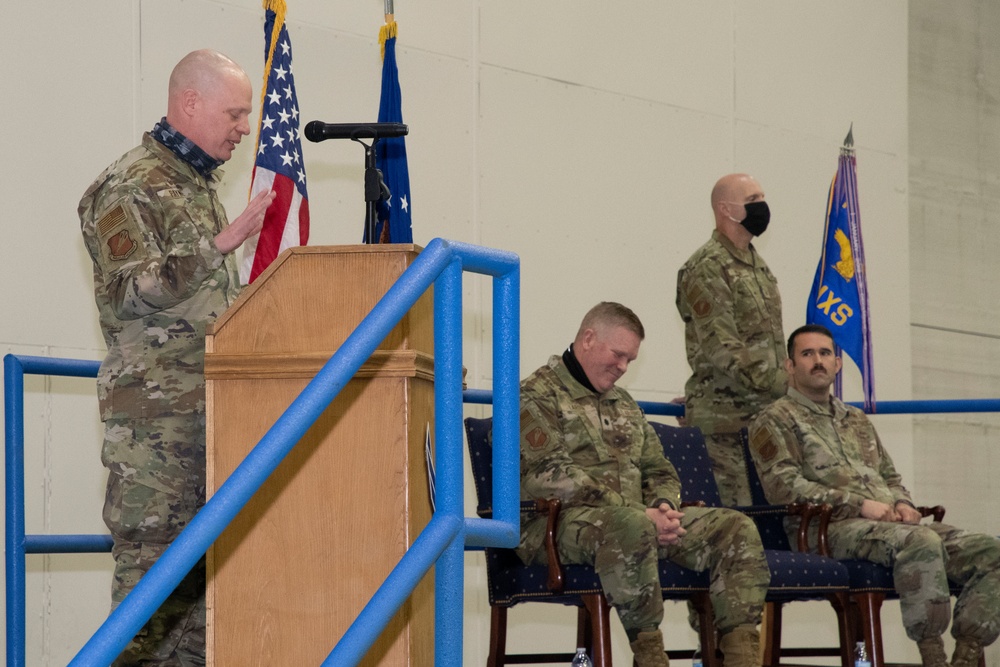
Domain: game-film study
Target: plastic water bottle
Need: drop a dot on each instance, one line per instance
(861, 656)
(696, 657)
(581, 659)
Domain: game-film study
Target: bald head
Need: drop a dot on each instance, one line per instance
(731, 188)
(202, 71)
(730, 194)
(208, 101)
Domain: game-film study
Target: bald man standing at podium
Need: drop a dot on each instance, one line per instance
(164, 269)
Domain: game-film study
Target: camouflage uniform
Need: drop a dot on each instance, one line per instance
(602, 459)
(731, 308)
(808, 452)
(148, 223)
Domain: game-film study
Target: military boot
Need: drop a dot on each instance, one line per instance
(932, 652)
(741, 647)
(968, 652)
(648, 649)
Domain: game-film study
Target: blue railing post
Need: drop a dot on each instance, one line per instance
(14, 498)
(17, 542)
(507, 408)
(449, 572)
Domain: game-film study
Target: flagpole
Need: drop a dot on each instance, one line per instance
(866, 364)
(388, 11)
(846, 150)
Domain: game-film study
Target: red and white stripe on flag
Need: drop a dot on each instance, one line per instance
(286, 223)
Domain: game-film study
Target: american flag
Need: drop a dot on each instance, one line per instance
(279, 165)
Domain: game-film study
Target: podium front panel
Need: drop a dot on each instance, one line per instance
(306, 554)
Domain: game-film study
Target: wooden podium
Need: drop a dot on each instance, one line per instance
(305, 555)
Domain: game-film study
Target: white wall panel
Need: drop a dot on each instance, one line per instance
(676, 53)
(595, 211)
(814, 67)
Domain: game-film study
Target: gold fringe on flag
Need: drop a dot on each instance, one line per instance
(387, 31)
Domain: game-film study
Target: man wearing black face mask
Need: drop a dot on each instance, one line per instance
(731, 308)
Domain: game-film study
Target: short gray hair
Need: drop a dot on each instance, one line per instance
(610, 313)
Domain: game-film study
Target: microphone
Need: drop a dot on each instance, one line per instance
(319, 131)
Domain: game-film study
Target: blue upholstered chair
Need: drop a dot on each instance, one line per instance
(510, 582)
(869, 584)
(794, 575)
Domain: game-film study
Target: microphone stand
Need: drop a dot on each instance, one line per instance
(375, 190)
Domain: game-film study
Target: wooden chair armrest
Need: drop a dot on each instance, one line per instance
(551, 508)
(937, 512)
(807, 512)
(822, 513)
(692, 503)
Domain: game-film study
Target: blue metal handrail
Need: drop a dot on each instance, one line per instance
(936, 406)
(442, 542)
(17, 543)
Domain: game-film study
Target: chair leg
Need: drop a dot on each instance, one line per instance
(582, 626)
(600, 629)
(870, 610)
(498, 637)
(771, 635)
(841, 605)
(702, 604)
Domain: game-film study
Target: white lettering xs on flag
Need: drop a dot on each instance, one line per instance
(279, 165)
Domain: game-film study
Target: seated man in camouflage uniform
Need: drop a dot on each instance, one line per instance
(810, 446)
(587, 443)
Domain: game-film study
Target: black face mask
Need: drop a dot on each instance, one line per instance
(758, 215)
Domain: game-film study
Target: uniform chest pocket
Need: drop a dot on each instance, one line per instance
(748, 306)
(623, 436)
(862, 442)
(188, 216)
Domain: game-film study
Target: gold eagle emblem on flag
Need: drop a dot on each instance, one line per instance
(845, 267)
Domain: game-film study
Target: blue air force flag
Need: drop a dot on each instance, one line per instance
(839, 296)
(391, 152)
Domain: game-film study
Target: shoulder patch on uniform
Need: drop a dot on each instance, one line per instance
(119, 234)
(537, 438)
(702, 308)
(701, 304)
(121, 245)
(764, 444)
(111, 219)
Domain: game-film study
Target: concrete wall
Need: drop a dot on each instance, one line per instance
(954, 242)
(585, 136)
